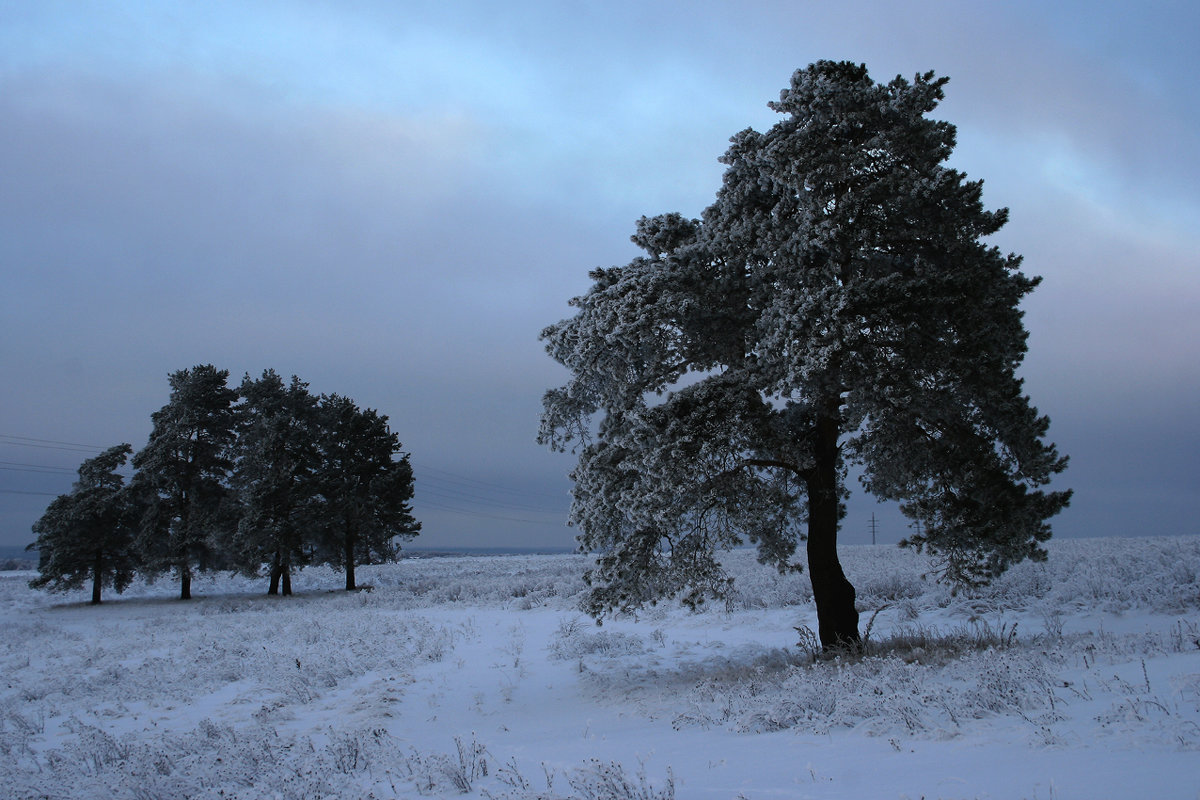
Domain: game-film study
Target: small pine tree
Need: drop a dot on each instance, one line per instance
(366, 491)
(184, 470)
(88, 534)
(274, 477)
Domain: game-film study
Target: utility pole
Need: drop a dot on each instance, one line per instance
(916, 526)
(874, 526)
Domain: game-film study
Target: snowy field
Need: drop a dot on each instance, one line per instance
(478, 677)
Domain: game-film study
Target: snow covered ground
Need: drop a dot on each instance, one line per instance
(478, 677)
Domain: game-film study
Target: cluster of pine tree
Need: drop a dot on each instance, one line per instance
(262, 478)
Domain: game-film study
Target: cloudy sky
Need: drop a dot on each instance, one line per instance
(391, 199)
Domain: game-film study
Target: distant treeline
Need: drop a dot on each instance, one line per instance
(13, 558)
(423, 552)
(262, 477)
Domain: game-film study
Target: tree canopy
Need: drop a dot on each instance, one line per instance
(88, 534)
(277, 457)
(365, 490)
(836, 303)
(185, 468)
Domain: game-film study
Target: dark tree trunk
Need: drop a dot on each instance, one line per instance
(837, 619)
(286, 569)
(97, 574)
(185, 567)
(349, 556)
(276, 571)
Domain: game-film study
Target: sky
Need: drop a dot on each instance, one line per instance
(391, 200)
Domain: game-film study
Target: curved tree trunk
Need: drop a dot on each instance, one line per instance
(837, 619)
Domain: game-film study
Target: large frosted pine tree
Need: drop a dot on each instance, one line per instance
(835, 303)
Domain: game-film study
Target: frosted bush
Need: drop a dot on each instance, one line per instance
(890, 588)
(573, 640)
(1158, 573)
(438, 771)
(596, 780)
(219, 761)
(758, 586)
(609, 781)
(516, 582)
(879, 695)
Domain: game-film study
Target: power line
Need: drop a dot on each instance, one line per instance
(38, 466)
(49, 444)
(484, 515)
(452, 477)
(451, 492)
(15, 466)
(454, 493)
(458, 495)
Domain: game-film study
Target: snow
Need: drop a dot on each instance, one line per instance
(479, 677)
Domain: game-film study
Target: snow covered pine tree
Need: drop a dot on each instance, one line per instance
(835, 303)
(89, 533)
(274, 470)
(183, 471)
(366, 492)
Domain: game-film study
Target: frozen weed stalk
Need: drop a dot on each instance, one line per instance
(609, 781)
(432, 773)
(808, 644)
(472, 763)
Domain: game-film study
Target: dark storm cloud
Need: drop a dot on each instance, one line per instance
(156, 230)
